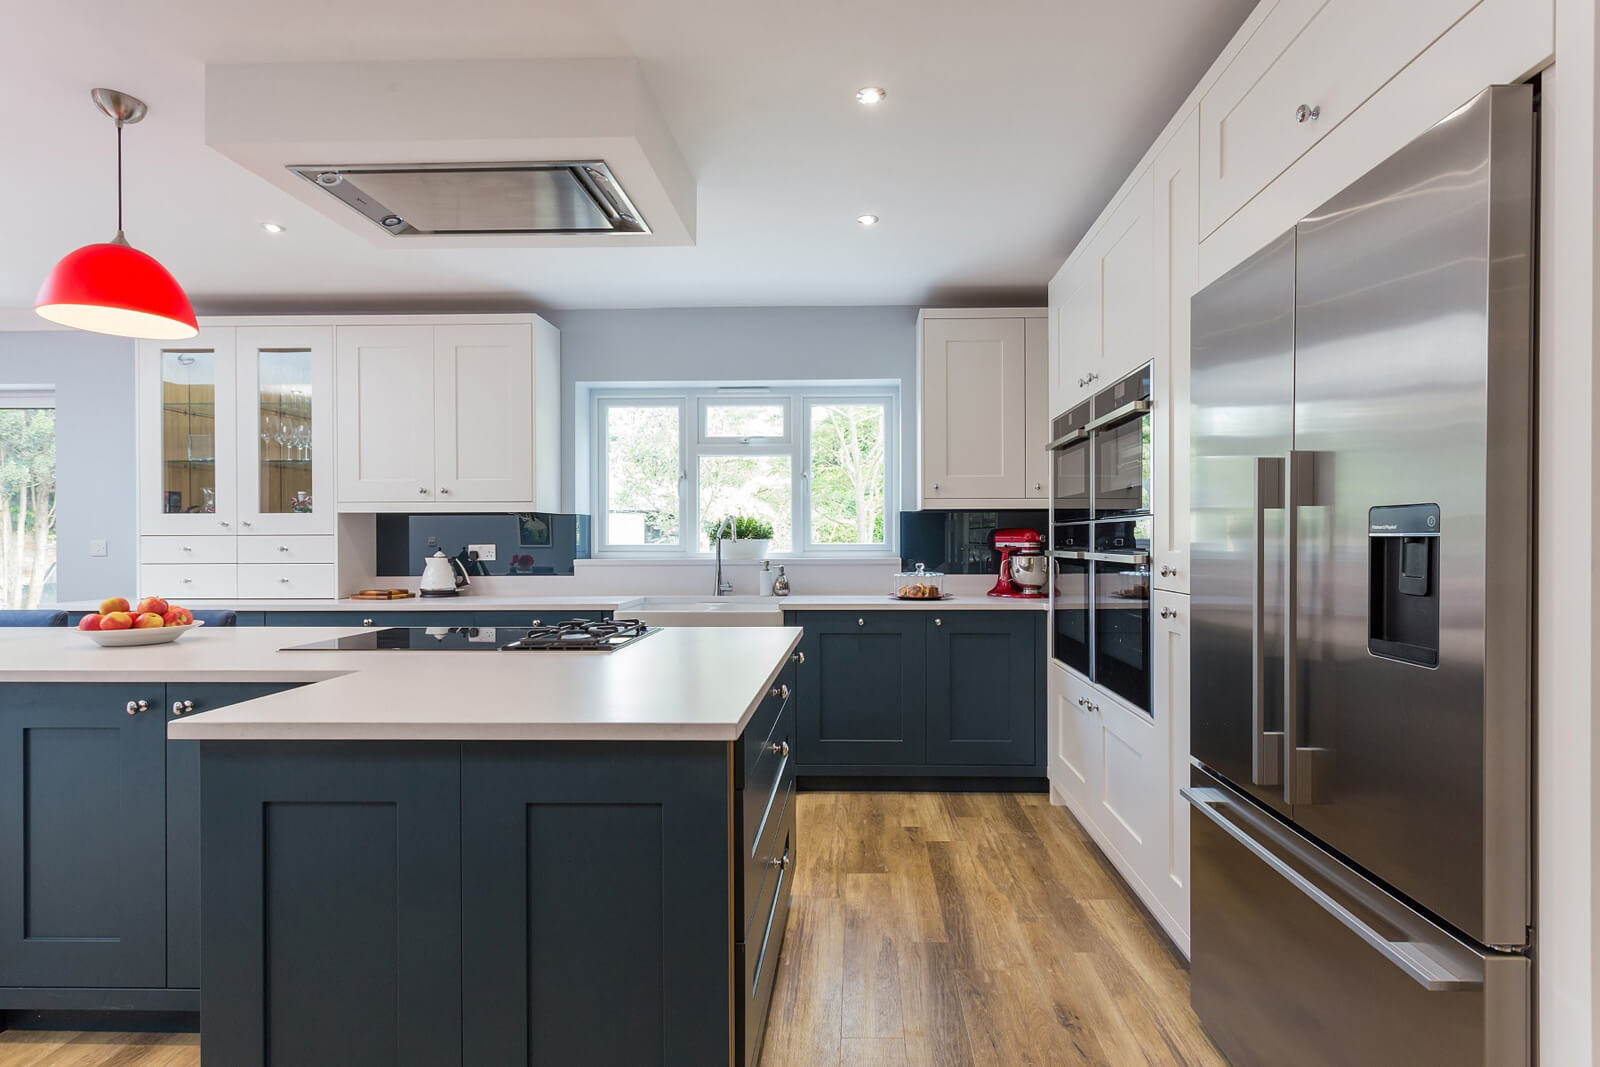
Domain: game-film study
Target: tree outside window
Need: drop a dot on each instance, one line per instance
(27, 499)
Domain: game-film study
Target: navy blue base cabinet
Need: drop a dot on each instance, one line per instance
(921, 694)
(100, 846)
(447, 617)
(432, 904)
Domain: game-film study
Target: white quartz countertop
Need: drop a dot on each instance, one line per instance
(677, 684)
(619, 604)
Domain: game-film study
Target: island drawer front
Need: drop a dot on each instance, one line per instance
(293, 548)
(759, 729)
(188, 550)
(762, 814)
(756, 957)
(300, 580)
(185, 582)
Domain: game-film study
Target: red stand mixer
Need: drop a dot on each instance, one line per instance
(1024, 568)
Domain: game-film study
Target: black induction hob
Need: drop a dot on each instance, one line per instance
(576, 635)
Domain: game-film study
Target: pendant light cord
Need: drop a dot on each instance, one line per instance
(119, 176)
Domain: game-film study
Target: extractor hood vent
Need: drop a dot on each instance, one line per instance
(453, 199)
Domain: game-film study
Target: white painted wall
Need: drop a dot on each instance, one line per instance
(93, 379)
(734, 345)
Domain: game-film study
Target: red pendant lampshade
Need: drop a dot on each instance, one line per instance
(112, 287)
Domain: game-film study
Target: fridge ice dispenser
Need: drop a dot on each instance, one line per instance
(1403, 612)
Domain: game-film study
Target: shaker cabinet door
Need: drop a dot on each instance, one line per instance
(82, 836)
(982, 686)
(483, 413)
(386, 414)
(862, 689)
(974, 399)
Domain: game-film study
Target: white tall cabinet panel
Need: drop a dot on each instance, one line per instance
(186, 434)
(1128, 280)
(1169, 864)
(1036, 463)
(386, 413)
(483, 413)
(1177, 246)
(286, 417)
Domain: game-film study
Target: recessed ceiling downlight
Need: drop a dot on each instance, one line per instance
(273, 227)
(871, 94)
(867, 220)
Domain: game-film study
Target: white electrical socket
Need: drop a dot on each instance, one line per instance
(485, 552)
(97, 548)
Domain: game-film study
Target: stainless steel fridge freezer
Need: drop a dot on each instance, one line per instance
(1361, 596)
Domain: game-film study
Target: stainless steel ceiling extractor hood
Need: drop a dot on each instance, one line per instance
(427, 199)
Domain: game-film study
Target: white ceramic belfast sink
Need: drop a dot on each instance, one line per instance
(708, 611)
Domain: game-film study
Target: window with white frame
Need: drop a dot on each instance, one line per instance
(817, 465)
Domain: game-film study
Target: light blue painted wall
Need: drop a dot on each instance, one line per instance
(93, 378)
(736, 345)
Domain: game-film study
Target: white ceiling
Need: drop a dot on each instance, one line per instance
(1008, 124)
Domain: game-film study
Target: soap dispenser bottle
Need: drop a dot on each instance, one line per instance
(780, 584)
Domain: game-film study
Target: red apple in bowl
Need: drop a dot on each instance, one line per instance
(178, 616)
(112, 604)
(152, 604)
(147, 620)
(90, 621)
(116, 620)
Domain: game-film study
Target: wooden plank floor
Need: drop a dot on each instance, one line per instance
(924, 929)
(960, 928)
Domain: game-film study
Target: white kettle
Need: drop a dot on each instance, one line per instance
(443, 575)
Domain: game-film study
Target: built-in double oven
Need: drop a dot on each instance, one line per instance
(1100, 528)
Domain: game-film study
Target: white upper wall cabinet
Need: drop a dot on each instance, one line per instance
(386, 413)
(285, 421)
(449, 417)
(983, 407)
(1176, 250)
(186, 430)
(1309, 64)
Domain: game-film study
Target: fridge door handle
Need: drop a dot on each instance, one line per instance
(1298, 493)
(1266, 748)
(1425, 967)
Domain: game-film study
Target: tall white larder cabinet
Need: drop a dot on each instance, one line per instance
(449, 417)
(984, 397)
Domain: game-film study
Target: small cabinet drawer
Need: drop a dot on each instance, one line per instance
(188, 550)
(756, 732)
(757, 955)
(300, 580)
(762, 806)
(295, 548)
(175, 581)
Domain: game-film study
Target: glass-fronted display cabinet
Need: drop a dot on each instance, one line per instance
(285, 406)
(187, 435)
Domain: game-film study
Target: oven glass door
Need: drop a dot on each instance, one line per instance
(1122, 467)
(1070, 594)
(1122, 638)
(1071, 481)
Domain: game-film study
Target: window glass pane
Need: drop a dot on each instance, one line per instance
(642, 470)
(744, 420)
(847, 473)
(27, 507)
(758, 487)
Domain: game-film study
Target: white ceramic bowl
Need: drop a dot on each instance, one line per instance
(152, 635)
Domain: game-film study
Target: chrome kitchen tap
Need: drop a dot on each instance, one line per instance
(722, 586)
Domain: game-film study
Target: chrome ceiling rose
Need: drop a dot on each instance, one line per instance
(123, 107)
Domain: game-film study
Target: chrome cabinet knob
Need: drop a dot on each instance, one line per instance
(861, 622)
(780, 862)
(283, 548)
(366, 622)
(136, 706)
(798, 657)
(222, 522)
(1082, 703)
(1038, 487)
(1308, 113)
(442, 489)
(1168, 613)
(283, 581)
(187, 548)
(779, 749)
(181, 706)
(188, 581)
(422, 489)
(1168, 572)
(936, 487)
(938, 622)
(244, 522)
(781, 691)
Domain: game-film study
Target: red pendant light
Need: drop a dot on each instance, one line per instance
(113, 287)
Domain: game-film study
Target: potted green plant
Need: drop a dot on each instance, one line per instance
(750, 538)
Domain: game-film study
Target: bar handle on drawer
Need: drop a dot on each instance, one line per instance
(1427, 970)
(1266, 747)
